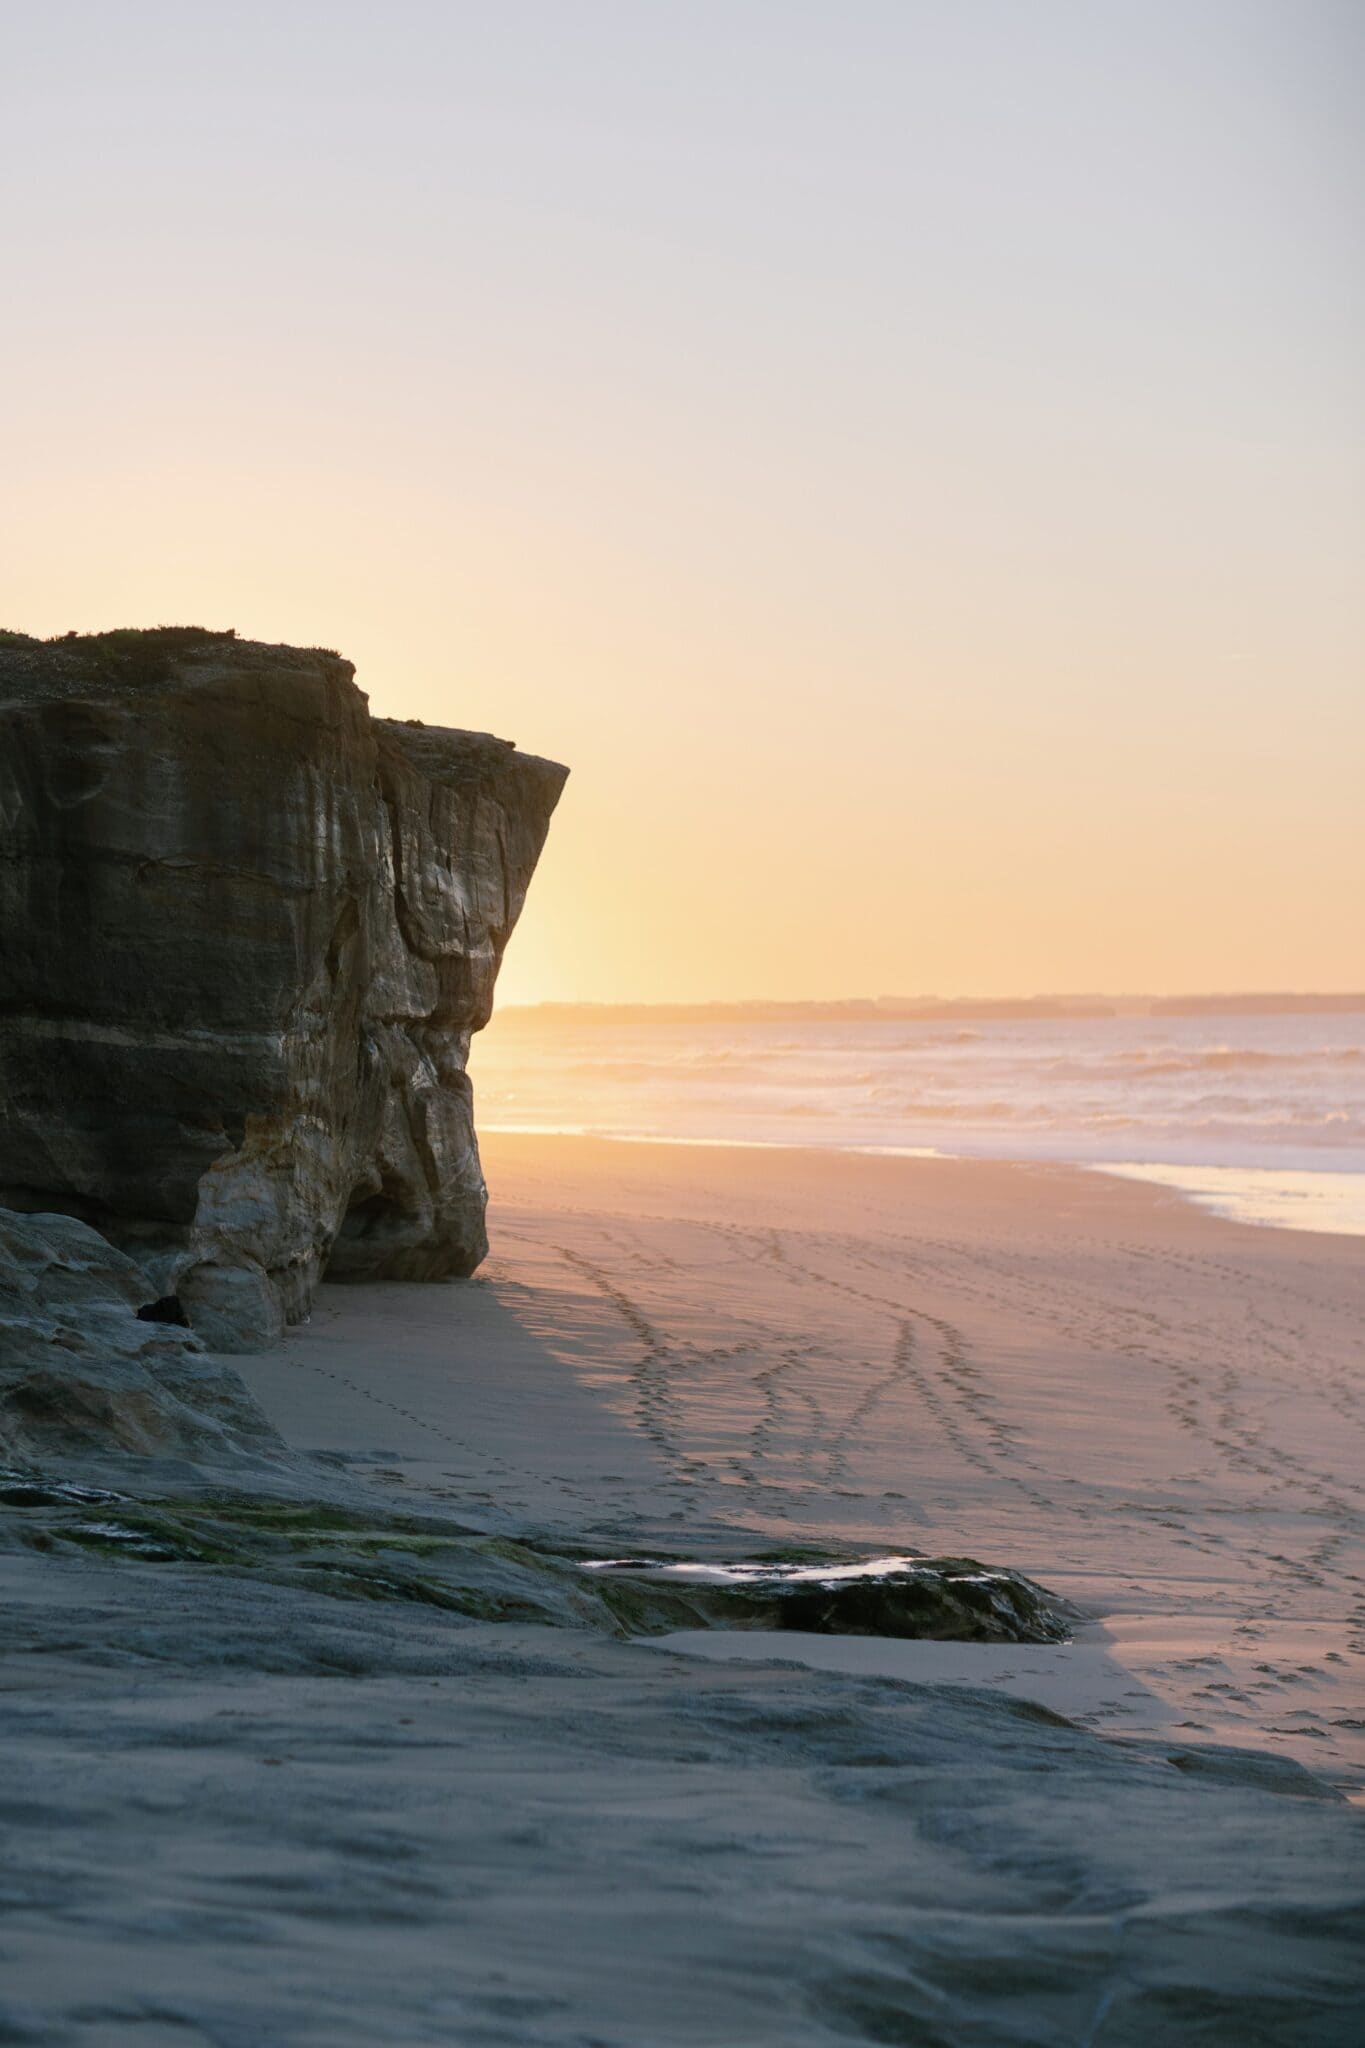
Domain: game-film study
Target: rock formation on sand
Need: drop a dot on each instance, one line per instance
(81, 1370)
(247, 932)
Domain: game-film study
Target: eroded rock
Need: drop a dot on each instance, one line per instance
(248, 932)
(81, 1371)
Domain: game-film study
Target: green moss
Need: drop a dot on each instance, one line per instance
(354, 1583)
(289, 1518)
(141, 1537)
(499, 1578)
(531, 1560)
(278, 1517)
(640, 1611)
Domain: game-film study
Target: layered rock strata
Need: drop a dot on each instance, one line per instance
(246, 932)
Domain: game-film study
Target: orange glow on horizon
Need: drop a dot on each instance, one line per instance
(923, 516)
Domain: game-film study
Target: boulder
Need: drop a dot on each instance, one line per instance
(248, 930)
(85, 1367)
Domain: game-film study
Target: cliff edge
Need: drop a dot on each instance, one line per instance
(246, 932)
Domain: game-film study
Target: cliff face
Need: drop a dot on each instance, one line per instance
(246, 931)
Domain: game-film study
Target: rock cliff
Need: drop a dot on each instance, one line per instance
(247, 931)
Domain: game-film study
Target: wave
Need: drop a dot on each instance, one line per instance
(932, 1038)
(1227, 1093)
(1226, 1059)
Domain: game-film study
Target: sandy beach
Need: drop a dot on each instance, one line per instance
(682, 1044)
(1155, 1412)
(249, 1813)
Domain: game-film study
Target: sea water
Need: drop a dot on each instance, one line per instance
(1259, 1117)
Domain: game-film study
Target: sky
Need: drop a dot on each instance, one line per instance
(906, 457)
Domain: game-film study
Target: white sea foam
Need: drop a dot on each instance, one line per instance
(1278, 1195)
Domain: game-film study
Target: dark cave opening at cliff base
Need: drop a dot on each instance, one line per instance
(168, 1308)
(386, 1235)
(375, 1219)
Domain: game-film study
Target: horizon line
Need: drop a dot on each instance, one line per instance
(1077, 1004)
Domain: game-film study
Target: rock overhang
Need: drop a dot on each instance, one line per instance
(248, 931)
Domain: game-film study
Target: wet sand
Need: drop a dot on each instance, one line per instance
(1156, 1412)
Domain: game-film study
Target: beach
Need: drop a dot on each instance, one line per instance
(251, 1813)
(1153, 1411)
(682, 1030)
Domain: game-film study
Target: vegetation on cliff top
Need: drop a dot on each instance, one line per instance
(136, 657)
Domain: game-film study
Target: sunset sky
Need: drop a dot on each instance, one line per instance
(905, 456)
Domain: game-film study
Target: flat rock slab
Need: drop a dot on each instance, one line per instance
(313, 1823)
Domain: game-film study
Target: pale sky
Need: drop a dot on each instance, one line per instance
(905, 455)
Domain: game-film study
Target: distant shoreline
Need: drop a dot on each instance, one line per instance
(934, 1009)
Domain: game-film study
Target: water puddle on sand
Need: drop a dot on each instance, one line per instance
(788, 1574)
(893, 1594)
(1281, 1197)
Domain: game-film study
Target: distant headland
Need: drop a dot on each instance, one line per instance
(939, 1009)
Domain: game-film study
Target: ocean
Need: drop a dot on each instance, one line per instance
(1259, 1117)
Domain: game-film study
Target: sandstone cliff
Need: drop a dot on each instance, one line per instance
(246, 931)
